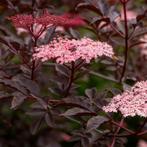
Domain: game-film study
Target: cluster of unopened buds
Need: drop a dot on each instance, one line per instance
(44, 21)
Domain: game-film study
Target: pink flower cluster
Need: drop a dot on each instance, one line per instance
(65, 20)
(142, 143)
(47, 19)
(65, 50)
(130, 103)
(22, 21)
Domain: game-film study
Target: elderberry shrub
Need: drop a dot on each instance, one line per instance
(73, 73)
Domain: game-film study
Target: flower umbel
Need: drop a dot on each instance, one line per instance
(65, 20)
(36, 26)
(46, 20)
(22, 21)
(130, 103)
(66, 50)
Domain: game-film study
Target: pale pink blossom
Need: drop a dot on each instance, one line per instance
(130, 103)
(65, 50)
(142, 143)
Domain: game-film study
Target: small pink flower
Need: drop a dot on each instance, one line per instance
(142, 143)
(130, 103)
(66, 50)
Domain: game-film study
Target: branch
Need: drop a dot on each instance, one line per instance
(126, 129)
(124, 3)
(117, 130)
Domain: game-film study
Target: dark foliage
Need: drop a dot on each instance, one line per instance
(53, 105)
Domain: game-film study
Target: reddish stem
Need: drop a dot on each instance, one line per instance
(142, 133)
(117, 130)
(121, 126)
(124, 3)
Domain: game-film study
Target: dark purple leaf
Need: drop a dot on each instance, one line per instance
(74, 111)
(41, 102)
(95, 122)
(91, 93)
(85, 142)
(17, 100)
(27, 83)
(89, 7)
(49, 120)
(36, 125)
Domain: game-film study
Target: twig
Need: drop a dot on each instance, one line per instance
(117, 130)
(128, 130)
(142, 133)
